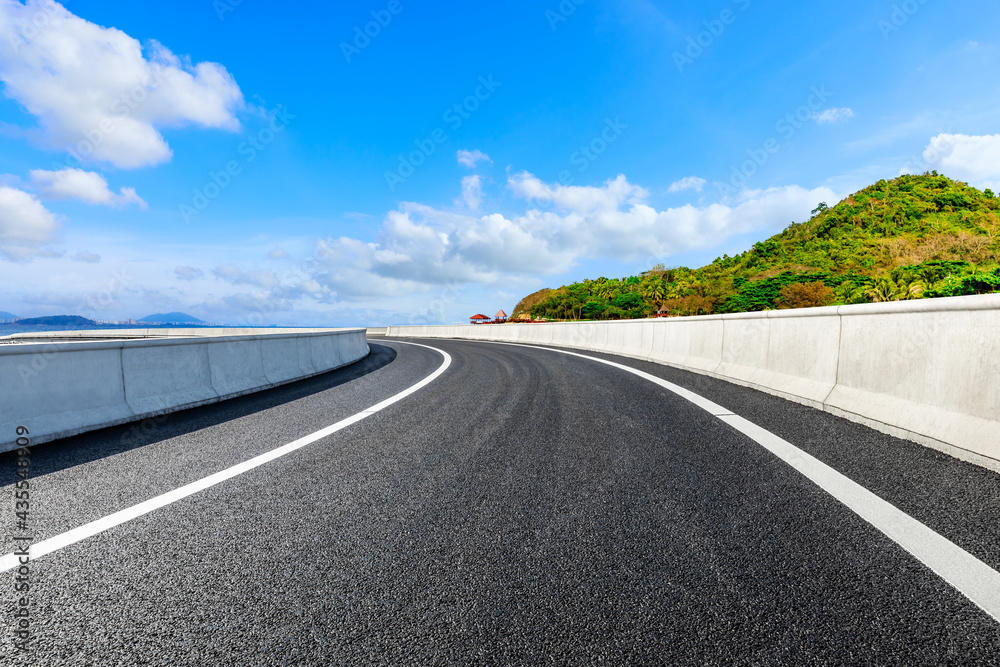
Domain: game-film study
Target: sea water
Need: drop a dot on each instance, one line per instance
(11, 329)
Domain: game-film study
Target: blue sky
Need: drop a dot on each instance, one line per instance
(265, 163)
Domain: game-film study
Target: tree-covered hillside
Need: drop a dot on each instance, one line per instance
(909, 238)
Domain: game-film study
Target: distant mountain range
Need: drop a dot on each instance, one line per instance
(76, 320)
(171, 318)
(59, 320)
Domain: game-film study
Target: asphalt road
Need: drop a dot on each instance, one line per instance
(527, 507)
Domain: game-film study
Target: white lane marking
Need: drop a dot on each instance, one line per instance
(47, 546)
(964, 572)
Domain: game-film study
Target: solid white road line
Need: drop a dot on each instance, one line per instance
(11, 561)
(967, 574)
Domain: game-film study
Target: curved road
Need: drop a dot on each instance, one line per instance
(525, 507)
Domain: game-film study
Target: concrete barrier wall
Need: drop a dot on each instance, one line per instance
(85, 380)
(932, 371)
(926, 370)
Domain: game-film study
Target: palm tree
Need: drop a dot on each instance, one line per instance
(883, 290)
(608, 290)
(654, 291)
(915, 290)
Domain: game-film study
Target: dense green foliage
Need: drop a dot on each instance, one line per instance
(909, 238)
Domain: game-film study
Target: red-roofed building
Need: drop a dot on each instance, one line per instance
(500, 317)
(478, 319)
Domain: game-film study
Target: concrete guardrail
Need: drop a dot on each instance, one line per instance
(925, 370)
(58, 384)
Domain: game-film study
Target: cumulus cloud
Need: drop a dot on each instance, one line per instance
(25, 224)
(830, 116)
(975, 159)
(188, 273)
(472, 191)
(86, 186)
(580, 199)
(97, 91)
(422, 259)
(419, 247)
(688, 183)
(88, 257)
(471, 158)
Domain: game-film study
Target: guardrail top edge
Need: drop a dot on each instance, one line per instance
(71, 345)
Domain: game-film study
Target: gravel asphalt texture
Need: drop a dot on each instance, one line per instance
(526, 508)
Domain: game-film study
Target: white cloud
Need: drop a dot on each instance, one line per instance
(419, 247)
(424, 262)
(577, 198)
(87, 257)
(277, 253)
(836, 115)
(974, 159)
(472, 191)
(25, 224)
(688, 183)
(188, 273)
(93, 89)
(87, 186)
(471, 158)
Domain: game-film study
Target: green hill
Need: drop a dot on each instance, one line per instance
(909, 238)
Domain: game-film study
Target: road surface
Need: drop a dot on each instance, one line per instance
(522, 507)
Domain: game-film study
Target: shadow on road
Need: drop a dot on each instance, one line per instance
(86, 447)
